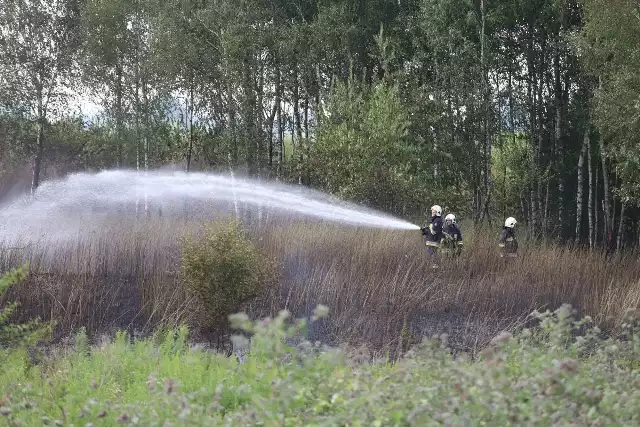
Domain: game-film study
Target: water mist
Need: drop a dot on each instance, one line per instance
(61, 207)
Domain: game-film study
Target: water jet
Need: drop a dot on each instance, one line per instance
(61, 207)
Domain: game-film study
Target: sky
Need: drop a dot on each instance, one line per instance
(87, 105)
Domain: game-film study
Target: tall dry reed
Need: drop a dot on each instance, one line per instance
(377, 283)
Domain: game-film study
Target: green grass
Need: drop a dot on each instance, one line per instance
(546, 375)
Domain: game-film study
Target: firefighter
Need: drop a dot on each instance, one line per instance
(508, 243)
(433, 234)
(451, 242)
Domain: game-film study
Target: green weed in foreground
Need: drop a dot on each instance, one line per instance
(544, 376)
(12, 333)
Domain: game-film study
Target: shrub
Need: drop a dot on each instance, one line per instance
(16, 333)
(362, 153)
(559, 372)
(224, 270)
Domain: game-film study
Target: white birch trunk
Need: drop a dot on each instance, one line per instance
(579, 195)
(591, 196)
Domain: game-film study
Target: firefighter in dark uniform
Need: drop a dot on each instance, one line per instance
(451, 243)
(433, 233)
(508, 243)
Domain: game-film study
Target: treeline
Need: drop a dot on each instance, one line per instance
(489, 108)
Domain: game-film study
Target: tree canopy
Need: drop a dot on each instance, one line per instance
(489, 108)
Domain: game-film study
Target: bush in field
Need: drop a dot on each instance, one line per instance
(14, 333)
(224, 270)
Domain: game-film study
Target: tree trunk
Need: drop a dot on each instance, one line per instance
(298, 127)
(620, 239)
(280, 137)
(546, 207)
(608, 223)
(137, 113)
(248, 116)
(137, 122)
(190, 112)
(513, 135)
(488, 182)
(306, 106)
(137, 107)
(233, 151)
(591, 191)
(272, 118)
(119, 115)
(146, 144)
(596, 218)
(260, 119)
(531, 95)
(233, 186)
(317, 95)
(541, 128)
(145, 99)
(558, 138)
(37, 164)
(485, 120)
(579, 196)
(614, 209)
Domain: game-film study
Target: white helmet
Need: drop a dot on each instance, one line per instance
(451, 217)
(438, 209)
(510, 222)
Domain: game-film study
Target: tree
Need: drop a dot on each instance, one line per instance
(109, 62)
(38, 40)
(610, 54)
(363, 152)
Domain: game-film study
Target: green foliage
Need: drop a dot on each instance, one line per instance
(540, 376)
(362, 152)
(20, 334)
(36, 44)
(250, 86)
(609, 51)
(511, 161)
(224, 270)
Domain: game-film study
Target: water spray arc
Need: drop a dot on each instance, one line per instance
(83, 194)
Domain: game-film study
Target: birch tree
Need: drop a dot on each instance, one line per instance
(38, 39)
(579, 195)
(592, 237)
(611, 55)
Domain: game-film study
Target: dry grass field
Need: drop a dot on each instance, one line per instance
(379, 286)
